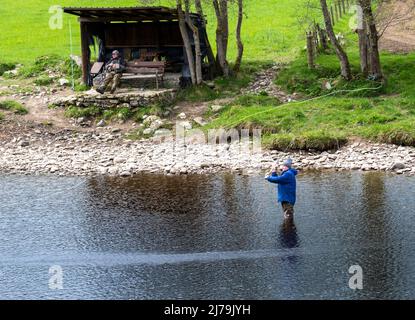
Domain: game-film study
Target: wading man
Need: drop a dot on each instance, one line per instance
(113, 72)
(287, 186)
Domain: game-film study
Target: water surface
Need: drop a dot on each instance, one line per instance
(212, 237)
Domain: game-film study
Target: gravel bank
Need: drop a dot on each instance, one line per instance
(107, 152)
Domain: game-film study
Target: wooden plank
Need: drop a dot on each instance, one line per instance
(144, 70)
(96, 68)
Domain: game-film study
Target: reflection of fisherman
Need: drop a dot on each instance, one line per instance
(113, 72)
(286, 187)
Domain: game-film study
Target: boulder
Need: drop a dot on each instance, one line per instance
(182, 116)
(217, 108)
(200, 121)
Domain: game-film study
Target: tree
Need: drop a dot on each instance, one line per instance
(238, 37)
(375, 69)
(341, 54)
(196, 37)
(363, 42)
(210, 55)
(222, 35)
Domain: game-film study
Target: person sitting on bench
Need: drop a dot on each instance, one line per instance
(113, 72)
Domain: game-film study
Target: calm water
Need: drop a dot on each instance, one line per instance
(212, 237)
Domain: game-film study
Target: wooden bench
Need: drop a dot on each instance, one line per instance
(156, 68)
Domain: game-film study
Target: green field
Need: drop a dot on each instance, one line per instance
(271, 29)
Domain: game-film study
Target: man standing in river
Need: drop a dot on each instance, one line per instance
(287, 186)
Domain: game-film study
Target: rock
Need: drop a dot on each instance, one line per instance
(162, 133)
(182, 116)
(125, 174)
(101, 123)
(326, 85)
(150, 119)
(148, 131)
(24, 143)
(76, 59)
(80, 120)
(211, 85)
(156, 124)
(63, 82)
(217, 108)
(116, 130)
(397, 166)
(185, 124)
(200, 121)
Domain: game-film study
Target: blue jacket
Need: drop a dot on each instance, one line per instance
(286, 185)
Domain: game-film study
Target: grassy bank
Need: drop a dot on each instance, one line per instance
(332, 114)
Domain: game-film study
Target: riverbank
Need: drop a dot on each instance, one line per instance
(106, 151)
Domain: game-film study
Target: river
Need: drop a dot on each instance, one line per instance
(206, 237)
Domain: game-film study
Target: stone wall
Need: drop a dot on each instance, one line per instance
(123, 98)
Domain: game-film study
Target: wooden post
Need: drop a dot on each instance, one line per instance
(315, 40)
(85, 53)
(323, 39)
(332, 15)
(310, 50)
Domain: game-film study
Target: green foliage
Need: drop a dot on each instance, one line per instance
(40, 65)
(6, 67)
(14, 106)
(1, 116)
(319, 140)
(43, 81)
(78, 112)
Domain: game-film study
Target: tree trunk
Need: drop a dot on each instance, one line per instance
(238, 37)
(374, 57)
(196, 38)
(225, 24)
(210, 55)
(310, 51)
(220, 41)
(341, 54)
(186, 41)
(363, 41)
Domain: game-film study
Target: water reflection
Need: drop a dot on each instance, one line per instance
(288, 234)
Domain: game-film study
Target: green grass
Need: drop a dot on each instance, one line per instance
(14, 106)
(270, 31)
(382, 112)
(78, 112)
(1, 116)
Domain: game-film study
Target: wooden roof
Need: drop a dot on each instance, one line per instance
(125, 13)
